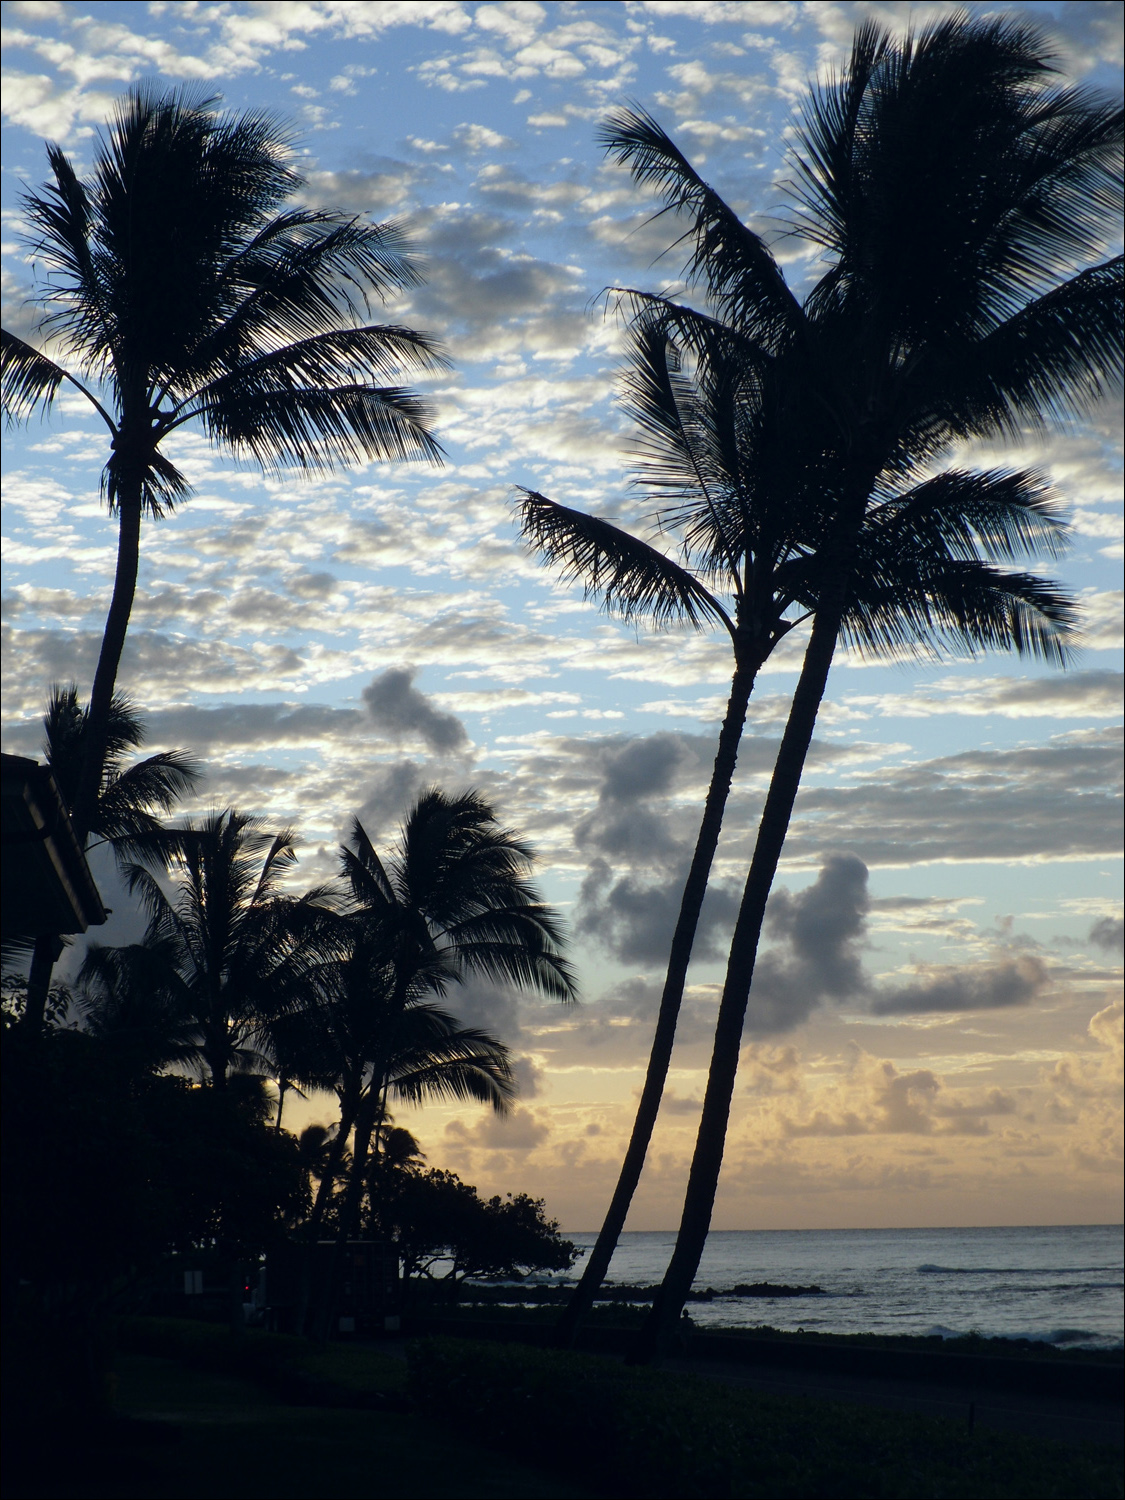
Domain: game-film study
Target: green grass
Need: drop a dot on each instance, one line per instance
(265, 1414)
(332, 1373)
(217, 1435)
(649, 1434)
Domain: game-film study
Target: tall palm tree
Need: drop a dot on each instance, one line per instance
(452, 901)
(752, 539)
(244, 952)
(130, 798)
(182, 284)
(954, 192)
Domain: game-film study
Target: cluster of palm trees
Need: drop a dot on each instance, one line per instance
(796, 450)
(339, 988)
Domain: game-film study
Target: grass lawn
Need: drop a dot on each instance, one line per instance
(227, 1438)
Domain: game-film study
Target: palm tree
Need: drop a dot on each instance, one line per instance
(244, 952)
(752, 540)
(953, 191)
(182, 285)
(125, 812)
(134, 999)
(370, 1044)
(453, 901)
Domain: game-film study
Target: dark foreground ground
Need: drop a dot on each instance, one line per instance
(203, 1415)
(224, 1437)
(1056, 1417)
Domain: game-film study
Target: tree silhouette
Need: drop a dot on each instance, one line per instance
(182, 284)
(953, 191)
(453, 900)
(129, 799)
(723, 464)
(241, 951)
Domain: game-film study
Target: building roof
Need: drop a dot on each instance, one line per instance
(47, 885)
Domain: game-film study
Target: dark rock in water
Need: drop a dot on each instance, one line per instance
(773, 1289)
(709, 1294)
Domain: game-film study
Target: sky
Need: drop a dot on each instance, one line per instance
(934, 1033)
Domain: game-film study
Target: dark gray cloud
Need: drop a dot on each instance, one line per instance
(820, 931)
(972, 987)
(1057, 800)
(633, 774)
(1108, 933)
(389, 794)
(400, 712)
(634, 919)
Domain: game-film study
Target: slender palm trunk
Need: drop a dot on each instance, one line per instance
(659, 1329)
(105, 678)
(82, 814)
(365, 1118)
(336, 1149)
(660, 1057)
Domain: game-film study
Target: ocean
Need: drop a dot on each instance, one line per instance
(1062, 1285)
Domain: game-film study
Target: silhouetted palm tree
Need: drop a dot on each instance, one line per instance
(727, 481)
(134, 998)
(453, 901)
(183, 285)
(129, 799)
(371, 1044)
(953, 191)
(245, 952)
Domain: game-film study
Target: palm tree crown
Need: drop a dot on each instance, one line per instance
(244, 951)
(184, 284)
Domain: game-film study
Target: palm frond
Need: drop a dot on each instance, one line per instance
(1000, 513)
(159, 781)
(30, 381)
(1055, 359)
(318, 429)
(735, 264)
(632, 579)
(296, 278)
(340, 356)
(923, 606)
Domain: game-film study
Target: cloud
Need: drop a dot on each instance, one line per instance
(634, 919)
(877, 1099)
(820, 930)
(400, 712)
(1070, 695)
(1058, 800)
(980, 987)
(518, 1131)
(389, 793)
(1108, 933)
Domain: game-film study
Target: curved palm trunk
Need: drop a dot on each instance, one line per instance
(659, 1329)
(336, 1148)
(105, 678)
(691, 903)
